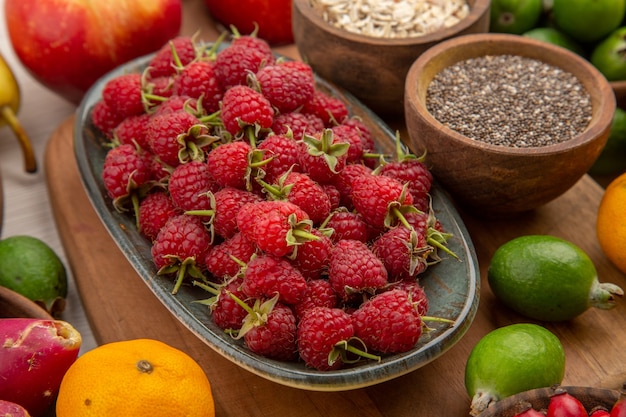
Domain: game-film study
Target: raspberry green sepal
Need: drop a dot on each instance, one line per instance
(193, 142)
(602, 295)
(397, 208)
(257, 314)
(256, 162)
(348, 353)
(326, 148)
(427, 319)
(210, 213)
(298, 234)
(437, 238)
(211, 289)
(182, 269)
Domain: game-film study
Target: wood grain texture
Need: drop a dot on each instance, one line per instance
(120, 306)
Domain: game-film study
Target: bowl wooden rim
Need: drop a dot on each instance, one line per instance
(539, 399)
(454, 50)
(477, 10)
(17, 305)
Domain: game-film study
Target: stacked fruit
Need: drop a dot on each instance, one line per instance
(255, 183)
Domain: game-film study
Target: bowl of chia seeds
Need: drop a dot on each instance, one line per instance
(367, 47)
(508, 123)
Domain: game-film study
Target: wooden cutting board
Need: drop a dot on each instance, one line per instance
(120, 306)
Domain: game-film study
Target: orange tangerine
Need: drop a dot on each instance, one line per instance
(611, 222)
(139, 378)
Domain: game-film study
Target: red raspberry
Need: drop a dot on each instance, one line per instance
(227, 203)
(416, 292)
(155, 210)
(419, 220)
(267, 275)
(226, 313)
(414, 173)
(163, 63)
(333, 194)
(271, 332)
(343, 182)
(330, 109)
(287, 84)
(319, 293)
(219, 259)
(234, 62)
(297, 124)
(105, 119)
(188, 187)
(312, 256)
(155, 90)
(319, 332)
(229, 164)
(198, 80)
(180, 248)
(132, 130)
(176, 137)
(348, 225)
(242, 106)
(365, 133)
(388, 322)
(322, 157)
(353, 269)
(160, 173)
(282, 153)
(252, 213)
(124, 172)
(123, 95)
(404, 252)
(307, 194)
(277, 227)
(378, 197)
(350, 135)
(251, 41)
(176, 103)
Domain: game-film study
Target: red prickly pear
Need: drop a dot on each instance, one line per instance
(10, 409)
(619, 408)
(525, 409)
(599, 411)
(562, 404)
(34, 356)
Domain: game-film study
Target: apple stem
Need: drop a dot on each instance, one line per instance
(7, 114)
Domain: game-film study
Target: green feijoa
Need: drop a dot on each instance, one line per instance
(548, 278)
(512, 359)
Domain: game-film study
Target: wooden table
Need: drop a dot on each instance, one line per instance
(120, 306)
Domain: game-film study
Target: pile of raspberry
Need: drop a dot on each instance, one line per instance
(254, 183)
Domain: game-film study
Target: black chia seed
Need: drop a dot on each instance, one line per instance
(510, 100)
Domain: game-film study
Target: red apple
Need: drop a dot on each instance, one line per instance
(68, 44)
(273, 17)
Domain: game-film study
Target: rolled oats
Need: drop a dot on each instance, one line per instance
(392, 18)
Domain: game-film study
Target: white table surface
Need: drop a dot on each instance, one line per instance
(27, 209)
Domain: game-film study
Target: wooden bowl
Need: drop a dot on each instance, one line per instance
(372, 69)
(497, 180)
(13, 304)
(619, 89)
(540, 397)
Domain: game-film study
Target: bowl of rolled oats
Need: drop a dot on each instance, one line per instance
(367, 46)
(508, 123)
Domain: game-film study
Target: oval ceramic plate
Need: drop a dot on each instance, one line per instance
(452, 285)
